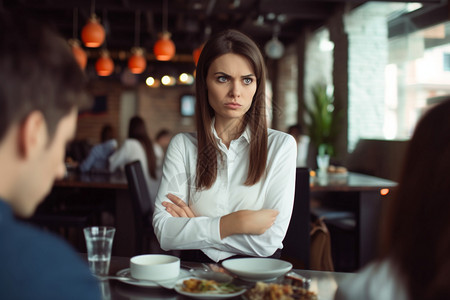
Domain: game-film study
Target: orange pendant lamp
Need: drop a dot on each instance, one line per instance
(104, 64)
(79, 53)
(137, 62)
(164, 48)
(93, 33)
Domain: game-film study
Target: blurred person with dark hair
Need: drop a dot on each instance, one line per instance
(41, 89)
(98, 158)
(414, 262)
(162, 141)
(138, 146)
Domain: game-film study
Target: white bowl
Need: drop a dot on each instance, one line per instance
(155, 267)
(255, 269)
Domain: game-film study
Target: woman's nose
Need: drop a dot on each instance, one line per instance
(235, 89)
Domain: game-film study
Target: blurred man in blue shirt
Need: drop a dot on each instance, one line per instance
(41, 89)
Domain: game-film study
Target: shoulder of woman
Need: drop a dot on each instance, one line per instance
(279, 137)
(182, 139)
(131, 143)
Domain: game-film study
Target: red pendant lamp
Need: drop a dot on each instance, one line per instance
(93, 33)
(104, 64)
(75, 45)
(137, 62)
(164, 48)
(78, 52)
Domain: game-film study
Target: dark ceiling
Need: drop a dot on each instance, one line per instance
(189, 21)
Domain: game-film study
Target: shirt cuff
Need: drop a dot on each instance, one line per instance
(215, 231)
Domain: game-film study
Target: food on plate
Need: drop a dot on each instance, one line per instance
(193, 285)
(275, 291)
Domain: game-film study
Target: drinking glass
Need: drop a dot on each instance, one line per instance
(99, 241)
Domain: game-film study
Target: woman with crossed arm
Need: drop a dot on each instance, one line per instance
(228, 189)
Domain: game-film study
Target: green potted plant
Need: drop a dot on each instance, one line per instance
(320, 123)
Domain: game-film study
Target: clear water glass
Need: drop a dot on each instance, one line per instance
(99, 240)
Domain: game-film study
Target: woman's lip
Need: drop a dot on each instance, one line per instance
(232, 105)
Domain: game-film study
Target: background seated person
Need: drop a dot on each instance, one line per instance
(98, 158)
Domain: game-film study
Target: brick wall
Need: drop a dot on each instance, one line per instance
(90, 125)
(159, 107)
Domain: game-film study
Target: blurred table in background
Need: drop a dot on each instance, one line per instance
(104, 197)
(361, 195)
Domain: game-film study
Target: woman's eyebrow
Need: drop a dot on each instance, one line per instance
(225, 74)
(221, 73)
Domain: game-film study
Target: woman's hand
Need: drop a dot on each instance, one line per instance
(247, 222)
(177, 207)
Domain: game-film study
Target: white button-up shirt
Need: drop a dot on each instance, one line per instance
(228, 194)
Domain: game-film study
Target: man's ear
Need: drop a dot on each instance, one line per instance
(32, 134)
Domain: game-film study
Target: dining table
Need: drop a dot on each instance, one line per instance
(363, 196)
(324, 284)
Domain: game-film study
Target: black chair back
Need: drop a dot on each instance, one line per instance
(297, 241)
(142, 205)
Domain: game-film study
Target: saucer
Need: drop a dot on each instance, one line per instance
(156, 284)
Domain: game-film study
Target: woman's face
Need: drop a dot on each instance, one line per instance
(231, 84)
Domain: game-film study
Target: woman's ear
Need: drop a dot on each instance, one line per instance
(32, 135)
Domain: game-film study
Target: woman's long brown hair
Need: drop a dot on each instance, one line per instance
(416, 234)
(137, 131)
(230, 41)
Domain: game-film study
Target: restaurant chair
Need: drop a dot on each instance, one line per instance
(297, 241)
(142, 207)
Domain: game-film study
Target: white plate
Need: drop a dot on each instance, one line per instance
(126, 273)
(257, 269)
(179, 290)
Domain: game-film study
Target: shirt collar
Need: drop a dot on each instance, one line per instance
(245, 135)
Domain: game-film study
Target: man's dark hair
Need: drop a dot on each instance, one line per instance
(38, 72)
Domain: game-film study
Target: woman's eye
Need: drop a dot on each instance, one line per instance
(222, 79)
(248, 80)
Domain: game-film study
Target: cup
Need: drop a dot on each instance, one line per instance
(323, 161)
(99, 241)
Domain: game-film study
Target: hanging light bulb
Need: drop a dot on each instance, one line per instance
(274, 48)
(78, 52)
(93, 33)
(104, 64)
(164, 48)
